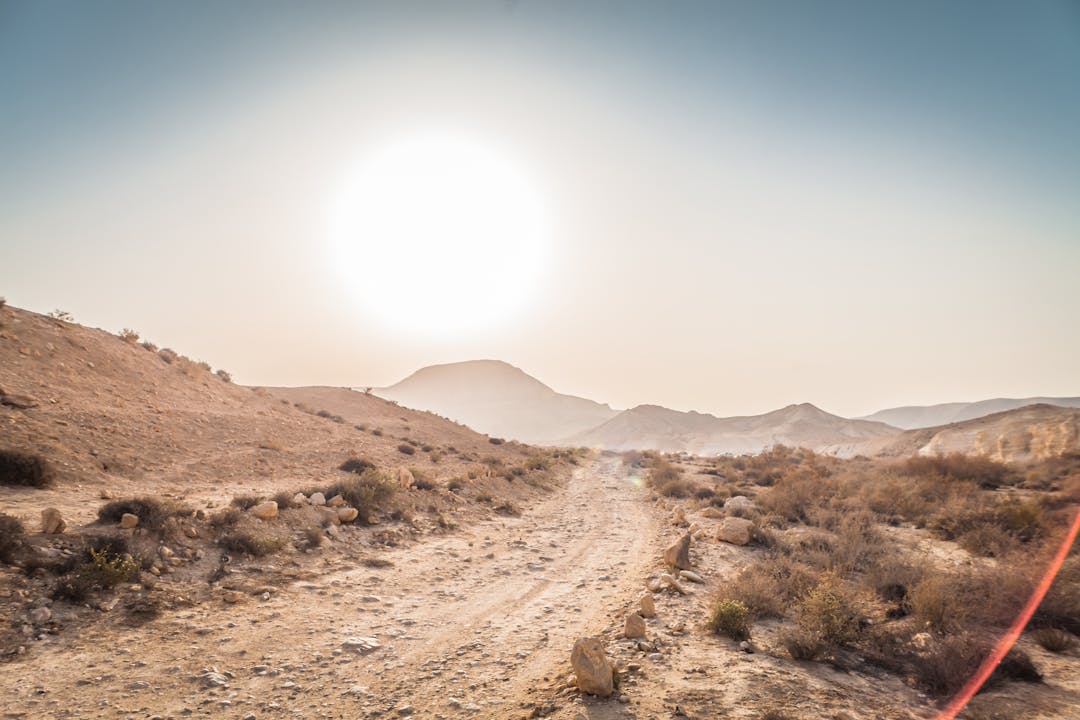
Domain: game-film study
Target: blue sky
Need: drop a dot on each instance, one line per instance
(753, 203)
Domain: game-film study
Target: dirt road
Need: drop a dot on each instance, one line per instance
(466, 623)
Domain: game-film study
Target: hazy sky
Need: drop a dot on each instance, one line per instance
(746, 204)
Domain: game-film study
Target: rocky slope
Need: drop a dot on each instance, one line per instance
(924, 416)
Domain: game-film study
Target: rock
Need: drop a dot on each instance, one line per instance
(328, 516)
(336, 502)
(405, 478)
(265, 510)
(233, 596)
(191, 532)
(20, 402)
(212, 678)
(746, 647)
(712, 512)
(691, 576)
(921, 642)
(317, 499)
(299, 499)
(347, 514)
(678, 516)
(52, 522)
(624, 699)
(678, 553)
(634, 626)
(734, 530)
(361, 645)
(672, 583)
(740, 502)
(648, 606)
(591, 667)
(40, 615)
(128, 521)
(654, 585)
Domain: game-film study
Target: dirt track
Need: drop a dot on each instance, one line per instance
(467, 624)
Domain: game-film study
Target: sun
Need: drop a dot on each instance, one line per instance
(438, 233)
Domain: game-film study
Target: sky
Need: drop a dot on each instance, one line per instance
(730, 206)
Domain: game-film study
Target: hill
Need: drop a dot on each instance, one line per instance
(1030, 433)
(658, 428)
(499, 399)
(924, 416)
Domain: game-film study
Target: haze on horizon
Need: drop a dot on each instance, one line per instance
(737, 206)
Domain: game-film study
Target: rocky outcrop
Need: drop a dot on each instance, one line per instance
(736, 531)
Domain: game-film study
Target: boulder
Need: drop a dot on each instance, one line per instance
(634, 626)
(129, 521)
(740, 502)
(299, 499)
(52, 522)
(265, 510)
(591, 667)
(405, 477)
(647, 605)
(336, 502)
(347, 514)
(736, 531)
(317, 499)
(678, 553)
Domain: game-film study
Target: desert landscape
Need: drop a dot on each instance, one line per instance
(516, 359)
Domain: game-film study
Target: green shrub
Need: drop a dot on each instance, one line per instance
(108, 569)
(730, 617)
(831, 612)
(24, 469)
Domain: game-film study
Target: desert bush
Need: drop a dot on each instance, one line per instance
(496, 441)
(75, 588)
(986, 541)
(365, 492)
(831, 611)
(936, 601)
(283, 498)
(377, 432)
(980, 470)
(759, 590)
(108, 569)
(168, 355)
(357, 465)
(1055, 640)
(1061, 606)
(892, 579)
(224, 375)
(129, 336)
(152, 512)
(730, 617)
(252, 543)
(106, 564)
(62, 315)
(406, 449)
(508, 509)
(802, 645)
(313, 536)
(226, 518)
(456, 484)
(11, 537)
(246, 502)
(422, 483)
(147, 345)
(24, 469)
(946, 668)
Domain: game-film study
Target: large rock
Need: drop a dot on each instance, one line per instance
(591, 667)
(634, 626)
(299, 499)
(265, 510)
(129, 520)
(336, 502)
(405, 477)
(52, 522)
(736, 531)
(347, 514)
(317, 499)
(647, 605)
(678, 553)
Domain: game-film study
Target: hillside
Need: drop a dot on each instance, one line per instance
(924, 416)
(117, 418)
(499, 399)
(658, 428)
(1034, 432)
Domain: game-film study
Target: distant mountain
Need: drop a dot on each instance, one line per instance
(923, 416)
(657, 428)
(499, 399)
(1033, 432)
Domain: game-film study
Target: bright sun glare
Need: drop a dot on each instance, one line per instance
(438, 233)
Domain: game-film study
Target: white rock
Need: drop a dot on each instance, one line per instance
(361, 645)
(317, 499)
(299, 499)
(691, 576)
(347, 514)
(265, 510)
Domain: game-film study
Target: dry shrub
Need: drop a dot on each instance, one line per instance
(226, 518)
(152, 512)
(313, 536)
(246, 502)
(357, 465)
(1061, 606)
(893, 579)
(946, 668)
(11, 537)
(937, 601)
(1055, 640)
(252, 542)
(406, 449)
(802, 645)
(730, 617)
(366, 493)
(980, 470)
(668, 480)
(831, 611)
(986, 541)
(129, 336)
(759, 590)
(796, 492)
(24, 469)
(168, 355)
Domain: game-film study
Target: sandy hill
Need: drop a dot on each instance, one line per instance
(925, 416)
(1034, 432)
(499, 399)
(658, 428)
(120, 418)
